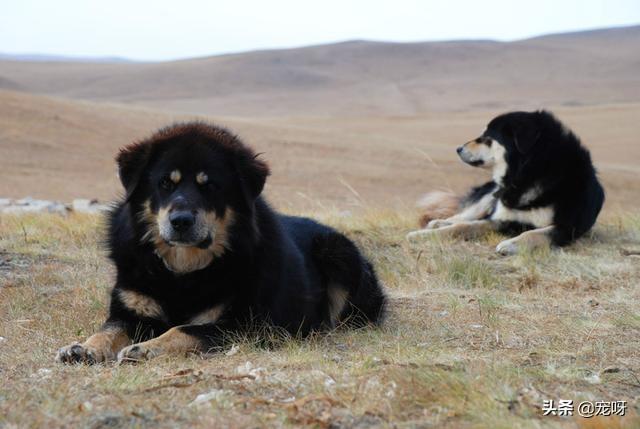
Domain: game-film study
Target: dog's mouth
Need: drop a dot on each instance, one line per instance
(474, 163)
(201, 244)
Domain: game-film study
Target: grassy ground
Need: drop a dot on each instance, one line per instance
(472, 340)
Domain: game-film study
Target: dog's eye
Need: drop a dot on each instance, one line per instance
(166, 184)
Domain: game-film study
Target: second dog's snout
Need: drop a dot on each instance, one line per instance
(182, 220)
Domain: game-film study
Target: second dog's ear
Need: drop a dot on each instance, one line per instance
(525, 135)
(132, 162)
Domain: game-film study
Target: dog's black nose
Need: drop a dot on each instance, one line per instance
(460, 149)
(181, 220)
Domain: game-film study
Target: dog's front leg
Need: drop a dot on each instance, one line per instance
(181, 340)
(528, 240)
(468, 229)
(100, 347)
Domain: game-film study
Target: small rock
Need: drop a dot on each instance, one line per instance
(248, 369)
(88, 206)
(233, 350)
(327, 380)
(215, 394)
(86, 406)
(593, 378)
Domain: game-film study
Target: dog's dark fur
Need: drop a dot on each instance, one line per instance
(200, 255)
(543, 178)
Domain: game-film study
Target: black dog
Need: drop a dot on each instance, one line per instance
(201, 256)
(544, 184)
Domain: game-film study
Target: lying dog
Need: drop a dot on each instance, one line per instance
(544, 186)
(200, 256)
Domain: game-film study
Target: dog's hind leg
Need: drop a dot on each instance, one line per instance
(354, 295)
(528, 240)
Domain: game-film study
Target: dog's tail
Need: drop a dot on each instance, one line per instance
(438, 205)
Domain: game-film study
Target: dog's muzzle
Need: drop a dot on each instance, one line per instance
(186, 228)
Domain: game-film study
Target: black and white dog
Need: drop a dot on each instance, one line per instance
(544, 186)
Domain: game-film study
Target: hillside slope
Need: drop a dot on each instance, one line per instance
(362, 77)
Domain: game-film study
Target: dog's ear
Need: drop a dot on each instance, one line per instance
(132, 162)
(525, 135)
(253, 175)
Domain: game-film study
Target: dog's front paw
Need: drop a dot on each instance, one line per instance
(508, 247)
(78, 353)
(136, 353)
(438, 223)
(419, 233)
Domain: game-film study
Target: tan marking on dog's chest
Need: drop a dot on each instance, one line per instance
(181, 259)
(141, 304)
(208, 316)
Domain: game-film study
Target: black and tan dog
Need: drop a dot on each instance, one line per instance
(200, 256)
(544, 186)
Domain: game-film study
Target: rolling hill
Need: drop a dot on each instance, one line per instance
(361, 77)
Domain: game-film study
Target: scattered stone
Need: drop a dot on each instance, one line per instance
(326, 379)
(88, 206)
(31, 205)
(215, 394)
(593, 378)
(248, 369)
(233, 350)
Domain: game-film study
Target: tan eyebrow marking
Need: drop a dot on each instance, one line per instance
(175, 176)
(202, 178)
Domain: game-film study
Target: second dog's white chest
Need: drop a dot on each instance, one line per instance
(538, 217)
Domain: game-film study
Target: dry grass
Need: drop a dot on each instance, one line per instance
(473, 339)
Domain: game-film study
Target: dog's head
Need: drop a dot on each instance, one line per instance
(187, 183)
(508, 139)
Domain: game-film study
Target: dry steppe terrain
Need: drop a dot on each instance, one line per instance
(355, 133)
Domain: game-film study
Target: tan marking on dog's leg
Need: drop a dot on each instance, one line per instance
(469, 229)
(100, 347)
(337, 296)
(528, 240)
(174, 341)
(208, 316)
(475, 211)
(142, 304)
